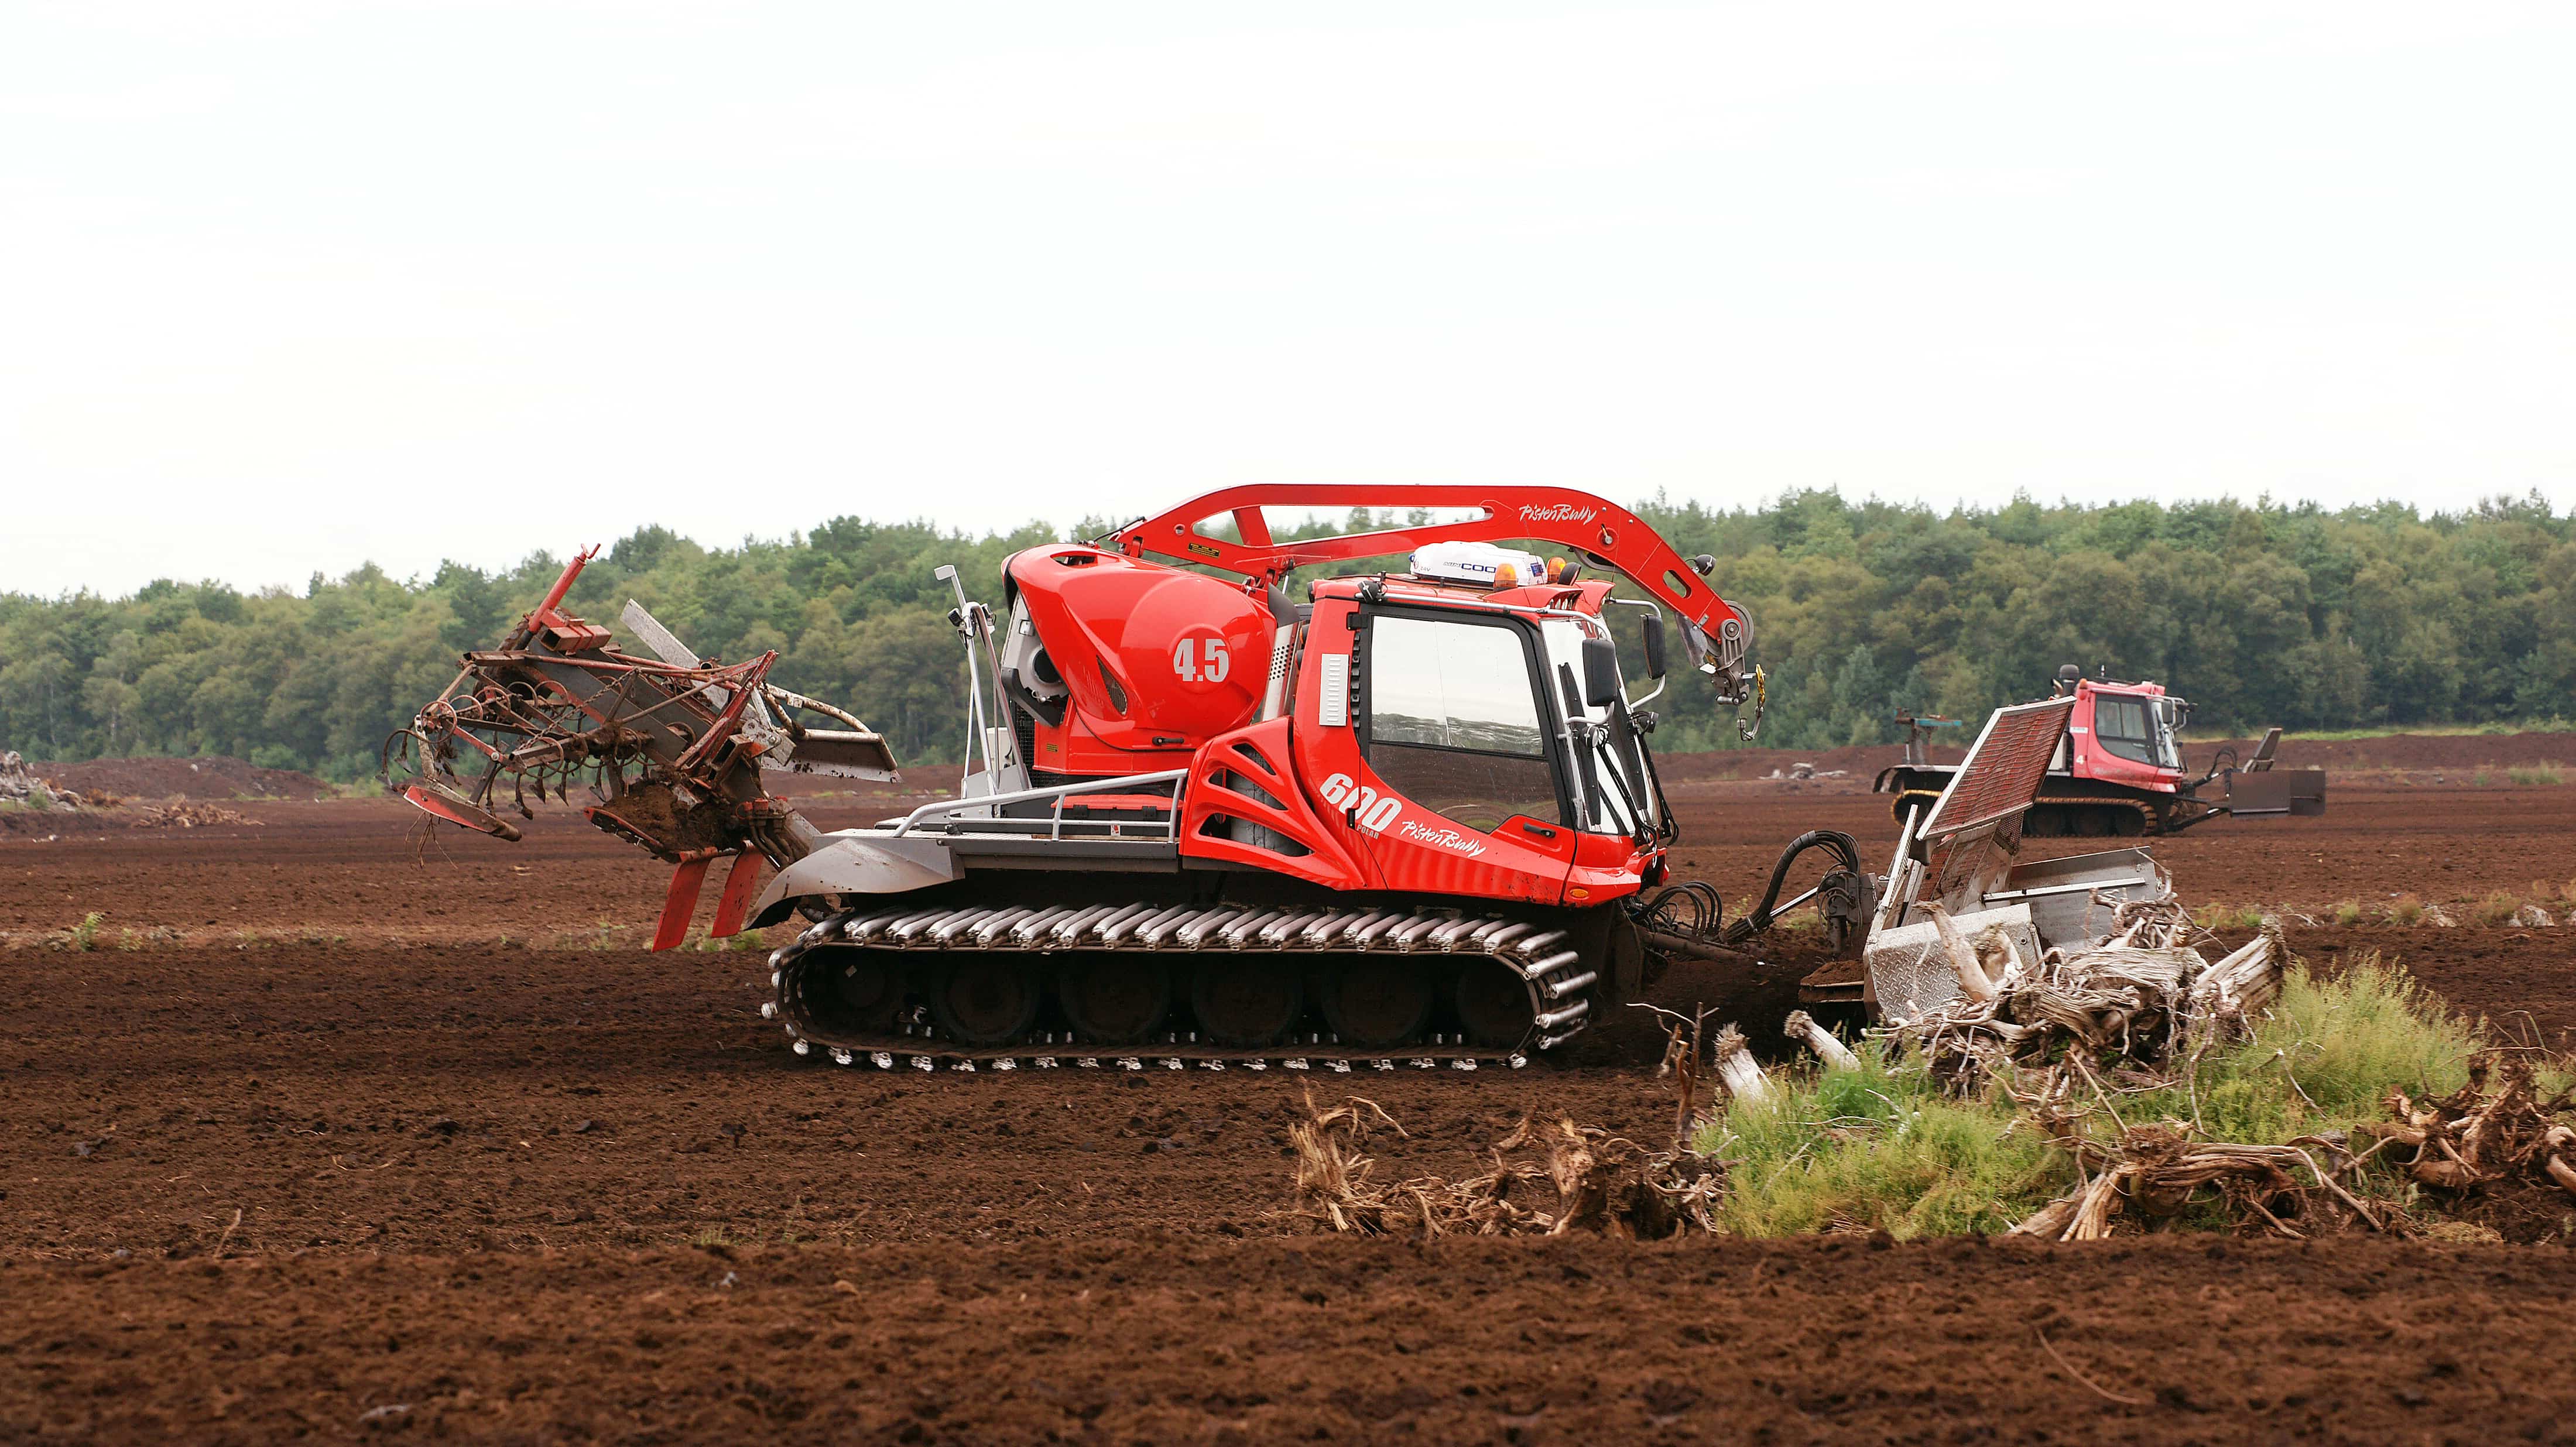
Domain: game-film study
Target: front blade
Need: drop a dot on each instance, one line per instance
(432, 797)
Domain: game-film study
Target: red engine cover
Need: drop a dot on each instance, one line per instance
(1158, 660)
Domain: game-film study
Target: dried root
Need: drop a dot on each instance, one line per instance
(1975, 984)
(1737, 1070)
(1834, 1053)
(2155, 1171)
(2143, 992)
(2495, 1128)
(1547, 1180)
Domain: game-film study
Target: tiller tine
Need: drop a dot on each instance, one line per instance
(735, 903)
(681, 902)
(436, 798)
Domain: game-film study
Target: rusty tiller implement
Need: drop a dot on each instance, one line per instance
(671, 748)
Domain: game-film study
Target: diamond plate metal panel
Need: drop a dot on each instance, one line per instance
(1909, 971)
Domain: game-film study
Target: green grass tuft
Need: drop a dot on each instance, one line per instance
(1876, 1148)
(2216, 916)
(2498, 908)
(2325, 1059)
(1883, 1147)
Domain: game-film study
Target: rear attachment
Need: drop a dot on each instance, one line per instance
(1175, 985)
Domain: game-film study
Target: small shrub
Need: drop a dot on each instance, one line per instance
(2482, 779)
(2536, 775)
(2215, 916)
(2348, 912)
(1879, 1149)
(2496, 909)
(2407, 910)
(2325, 1057)
(85, 934)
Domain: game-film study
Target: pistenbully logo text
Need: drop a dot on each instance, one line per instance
(1556, 512)
(1445, 838)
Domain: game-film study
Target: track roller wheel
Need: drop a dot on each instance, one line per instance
(859, 991)
(1247, 1004)
(1493, 1004)
(1114, 999)
(986, 1000)
(1377, 1003)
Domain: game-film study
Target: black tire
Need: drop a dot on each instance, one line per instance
(858, 991)
(1493, 1004)
(984, 1000)
(1248, 1003)
(1114, 998)
(1378, 1003)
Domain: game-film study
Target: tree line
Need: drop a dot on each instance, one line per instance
(2259, 613)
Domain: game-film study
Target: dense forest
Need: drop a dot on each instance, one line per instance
(2258, 613)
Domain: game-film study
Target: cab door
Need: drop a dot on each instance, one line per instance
(1458, 789)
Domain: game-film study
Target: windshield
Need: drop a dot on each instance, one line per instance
(2135, 727)
(1453, 723)
(1610, 765)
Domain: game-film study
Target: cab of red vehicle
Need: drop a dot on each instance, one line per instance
(2125, 733)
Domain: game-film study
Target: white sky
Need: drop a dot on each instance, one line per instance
(288, 286)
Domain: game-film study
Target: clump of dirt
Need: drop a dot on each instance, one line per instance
(185, 816)
(213, 776)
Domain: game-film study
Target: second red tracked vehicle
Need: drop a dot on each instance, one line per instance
(2118, 769)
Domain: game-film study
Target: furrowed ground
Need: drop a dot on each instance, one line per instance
(343, 1129)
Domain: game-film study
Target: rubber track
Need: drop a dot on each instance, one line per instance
(2154, 825)
(1559, 982)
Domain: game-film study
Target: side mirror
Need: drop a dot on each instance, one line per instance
(1654, 626)
(1600, 673)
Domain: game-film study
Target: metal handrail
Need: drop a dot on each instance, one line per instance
(1056, 792)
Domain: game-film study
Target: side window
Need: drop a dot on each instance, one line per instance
(2121, 725)
(1452, 724)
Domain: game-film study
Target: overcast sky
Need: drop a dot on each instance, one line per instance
(284, 287)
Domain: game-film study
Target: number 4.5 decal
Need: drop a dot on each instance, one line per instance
(1201, 660)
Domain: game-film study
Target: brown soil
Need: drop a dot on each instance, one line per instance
(333, 1140)
(210, 777)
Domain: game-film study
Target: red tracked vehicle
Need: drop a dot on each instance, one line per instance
(2118, 770)
(1414, 816)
